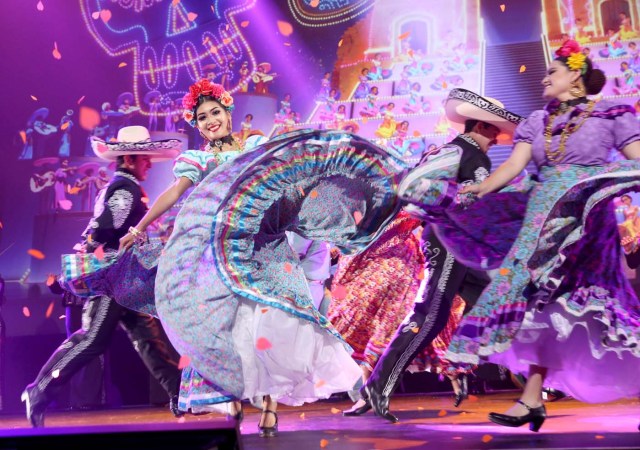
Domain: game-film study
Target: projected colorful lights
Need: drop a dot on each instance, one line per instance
(189, 40)
(321, 13)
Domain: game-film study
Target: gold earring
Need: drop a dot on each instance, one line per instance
(577, 89)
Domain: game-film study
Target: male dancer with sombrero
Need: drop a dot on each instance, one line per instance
(120, 205)
(465, 160)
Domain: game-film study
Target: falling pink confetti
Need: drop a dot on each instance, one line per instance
(191, 16)
(56, 53)
(80, 100)
(357, 216)
(339, 292)
(285, 28)
(105, 15)
(99, 252)
(26, 312)
(40, 6)
(37, 254)
(288, 267)
(49, 311)
(263, 344)
(95, 15)
(184, 362)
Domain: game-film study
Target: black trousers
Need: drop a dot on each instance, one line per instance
(430, 315)
(100, 317)
(87, 385)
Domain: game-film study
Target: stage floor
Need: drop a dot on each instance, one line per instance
(426, 421)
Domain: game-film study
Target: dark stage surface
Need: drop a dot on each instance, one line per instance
(428, 422)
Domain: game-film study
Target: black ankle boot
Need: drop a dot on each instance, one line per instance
(174, 408)
(379, 403)
(35, 407)
(535, 418)
(464, 391)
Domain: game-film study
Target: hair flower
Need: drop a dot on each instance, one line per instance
(189, 117)
(206, 88)
(577, 61)
(568, 47)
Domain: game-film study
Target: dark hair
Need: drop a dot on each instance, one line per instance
(469, 124)
(626, 196)
(206, 98)
(249, 115)
(120, 159)
(593, 79)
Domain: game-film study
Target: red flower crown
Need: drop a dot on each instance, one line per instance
(206, 88)
(576, 60)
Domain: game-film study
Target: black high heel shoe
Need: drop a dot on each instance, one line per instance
(35, 407)
(267, 432)
(535, 418)
(464, 391)
(354, 412)
(239, 415)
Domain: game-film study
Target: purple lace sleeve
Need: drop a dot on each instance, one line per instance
(529, 128)
(626, 130)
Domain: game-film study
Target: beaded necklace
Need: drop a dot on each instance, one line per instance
(572, 125)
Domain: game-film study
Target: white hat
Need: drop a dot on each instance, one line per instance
(136, 140)
(462, 105)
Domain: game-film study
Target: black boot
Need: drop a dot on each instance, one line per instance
(464, 391)
(174, 408)
(535, 418)
(35, 406)
(378, 402)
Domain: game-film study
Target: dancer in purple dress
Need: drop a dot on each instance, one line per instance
(560, 307)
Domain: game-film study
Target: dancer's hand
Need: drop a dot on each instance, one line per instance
(126, 242)
(471, 189)
(131, 237)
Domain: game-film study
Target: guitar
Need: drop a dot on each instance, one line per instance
(39, 182)
(257, 78)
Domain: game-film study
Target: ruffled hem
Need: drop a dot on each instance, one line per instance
(288, 358)
(571, 347)
(128, 277)
(324, 185)
(568, 222)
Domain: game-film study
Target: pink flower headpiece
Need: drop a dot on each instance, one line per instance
(576, 60)
(204, 87)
